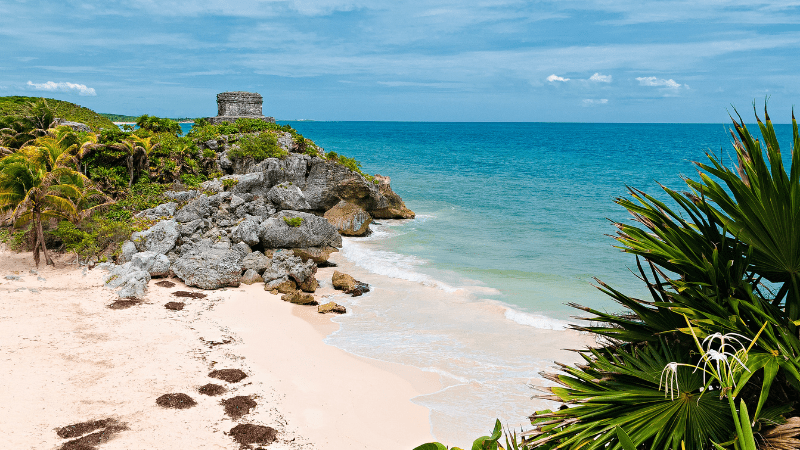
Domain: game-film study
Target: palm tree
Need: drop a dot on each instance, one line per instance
(34, 194)
(136, 158)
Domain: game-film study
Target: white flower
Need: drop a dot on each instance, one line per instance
(669, 378)
(720, 360)
(722, 338)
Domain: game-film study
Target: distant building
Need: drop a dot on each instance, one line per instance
(236, 105)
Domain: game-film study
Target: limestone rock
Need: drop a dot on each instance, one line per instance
(285, 263)
(313, 232)
(331, 307)
(309, 285)
(284, 285)
(209, 268)
(127, 252)
(131, 280)
(348, 284)
(189, 228)
(156, 264)
(198, 208)
(343, 281)
(349, 219)
(251, 276)
(160, 211)
(257, 262)
(288, 196)
(159, 238)
(317, 254)
(396, 208)
(75, 126)
(181, 196)
(299, 298)
(328, 182)
(247, 232)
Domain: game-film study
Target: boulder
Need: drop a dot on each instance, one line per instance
(256, 261)
(130, 278)
(181, 196)
(313, 231)
(331, 307)
(309, 285)
(209, 268)
(127, 252)
(236, 201)
(285, 263)
(247, 232)
(349, 219)
(274, 171)
(396, 208)
(317, 254)
(299, 298)
(159, 238)
(328, 182)
(251, 276)
(198, 208)
(343, 281)
(160, 211)
(348, 284)
(284, 285)
(189, 228)
(242, 248)
(288, 196)
(156, 264)
(75, 126)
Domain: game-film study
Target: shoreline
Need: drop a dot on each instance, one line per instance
(73, 359)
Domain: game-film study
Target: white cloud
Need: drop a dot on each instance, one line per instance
(600, 78)
(555, 77)
(653, 81)
(594, 101)
(51, 86)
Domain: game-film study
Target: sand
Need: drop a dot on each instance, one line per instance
(67, 357)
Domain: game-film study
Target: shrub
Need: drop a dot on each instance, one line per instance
(229, 183)
(257, 147)
(293, 222)
(192, 181)
(157, 125)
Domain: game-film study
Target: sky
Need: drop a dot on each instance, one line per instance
(427, 60)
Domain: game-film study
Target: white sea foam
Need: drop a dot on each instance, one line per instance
(535, 320)
(390, 264)
(447, 374)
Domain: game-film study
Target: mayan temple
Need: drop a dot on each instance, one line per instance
(236, 105)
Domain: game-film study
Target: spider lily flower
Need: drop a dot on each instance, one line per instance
(669, 378)
(722, 338)
(720, 361)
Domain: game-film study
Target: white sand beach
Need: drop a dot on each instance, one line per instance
(68, 358)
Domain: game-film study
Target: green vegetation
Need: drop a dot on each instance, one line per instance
(293, 222)
(52, 179)
(134, 119)
(23, 106)
(257, 147)
(350, 163)
(229, 183)
(712, 358)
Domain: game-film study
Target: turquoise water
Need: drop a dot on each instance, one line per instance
(523, 207)
(512, 224)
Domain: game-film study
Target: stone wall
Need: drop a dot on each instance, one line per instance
(235, 105)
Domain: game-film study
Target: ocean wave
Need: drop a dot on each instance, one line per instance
(447, 374)
(535, 320)
(390, 264)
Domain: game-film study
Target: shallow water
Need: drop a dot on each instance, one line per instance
(511, 226)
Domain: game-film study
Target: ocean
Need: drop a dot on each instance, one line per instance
(513, 223)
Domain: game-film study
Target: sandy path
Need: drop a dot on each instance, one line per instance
(65, 358)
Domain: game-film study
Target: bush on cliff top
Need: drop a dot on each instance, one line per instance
(257, 147)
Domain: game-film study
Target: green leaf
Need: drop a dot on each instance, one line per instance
(431, 446)
(489, 442)
(624, 439)
(747, 440)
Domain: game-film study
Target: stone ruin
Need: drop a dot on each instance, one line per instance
(235, 105)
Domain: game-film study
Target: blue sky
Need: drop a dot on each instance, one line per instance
(429, 60)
